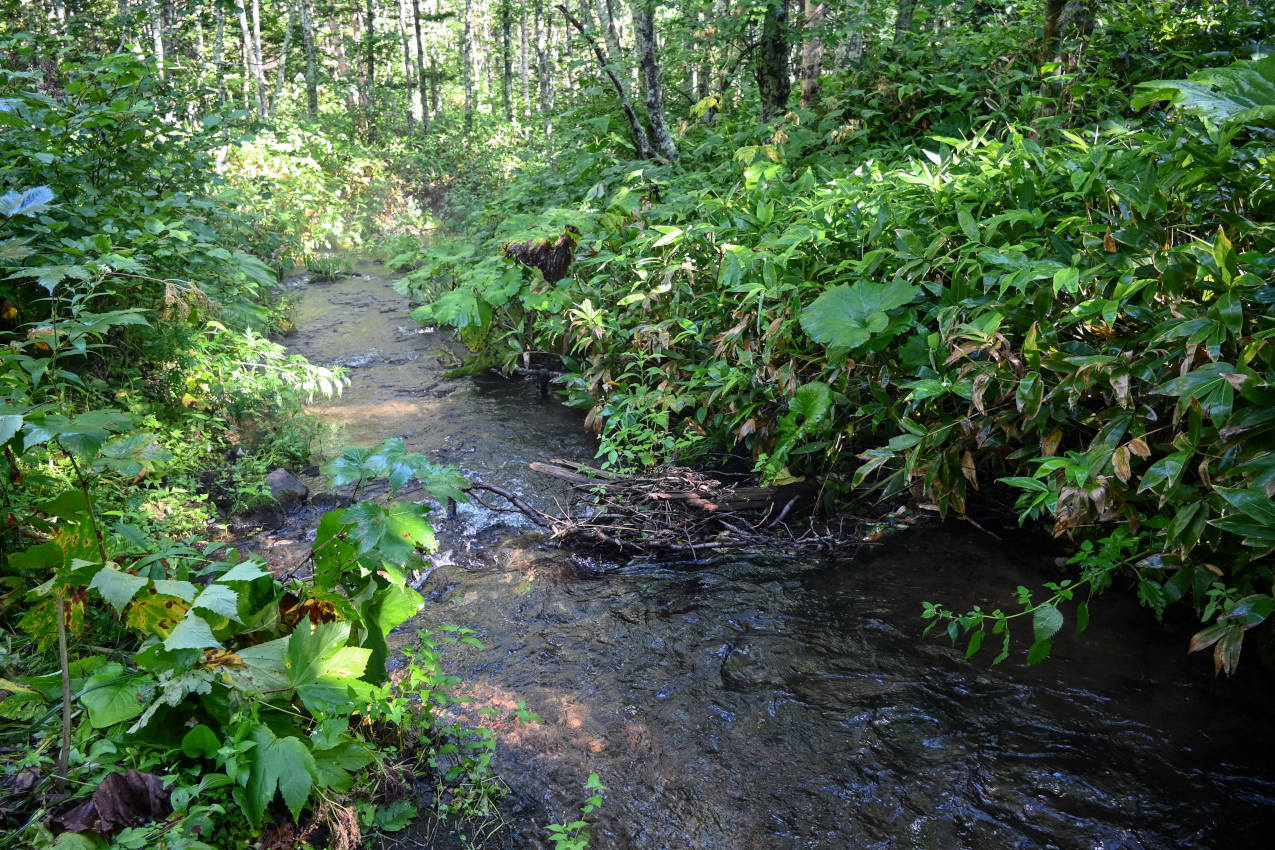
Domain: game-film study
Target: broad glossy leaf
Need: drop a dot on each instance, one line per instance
(847, 316)
(1240, 93)
(111, 697)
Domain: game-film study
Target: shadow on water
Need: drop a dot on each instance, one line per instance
(757, 702)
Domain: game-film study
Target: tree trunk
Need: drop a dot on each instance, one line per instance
(253, 80)
(467, 63)
(506, 22)
(369, 62)
(311, 60)
(282, 74)
(409, 74)
(542, 59)
(812, 54)
(904, 20)
(854, 44)
(420, 67)
(644, 35)
(641, 142)
(219, 47)
(773, 82)
(1053, 27)
(524, 63)
(157, 35)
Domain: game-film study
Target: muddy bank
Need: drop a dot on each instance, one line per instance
(755, 702)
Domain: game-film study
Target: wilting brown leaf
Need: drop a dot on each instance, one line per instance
(747, 428)
(1226, 653)
(1109, 243)
(1049, 442)
(1120, 460)
(221, 658)
(1139, 447)
(980, 386)
(1120, 383)
(968, 470)
(120, 801)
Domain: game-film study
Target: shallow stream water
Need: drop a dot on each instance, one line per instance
(762, 702)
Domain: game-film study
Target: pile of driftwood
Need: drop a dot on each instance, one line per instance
(673, 509)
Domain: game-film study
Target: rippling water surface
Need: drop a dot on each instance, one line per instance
(764, 702)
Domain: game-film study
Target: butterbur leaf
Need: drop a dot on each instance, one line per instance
(111, 696)
(200, 741)
(847, 316)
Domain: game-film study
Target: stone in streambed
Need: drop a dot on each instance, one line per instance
(286, 489)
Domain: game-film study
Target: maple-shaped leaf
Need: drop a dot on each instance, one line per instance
(394, 532)
(282, 764)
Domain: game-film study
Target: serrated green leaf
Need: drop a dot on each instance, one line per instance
(192, 632)
(1046, 621)
(219, 599)
(246, 571)
(117, 587)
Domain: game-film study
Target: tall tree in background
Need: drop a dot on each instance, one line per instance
(644, 33)
(467, 62)
(311, 63)
(506, 15)
(425, 112)
(904, 20)
(812, 53)
(773, 82)
(641, 142)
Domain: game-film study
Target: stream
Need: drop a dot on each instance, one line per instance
(752, 701)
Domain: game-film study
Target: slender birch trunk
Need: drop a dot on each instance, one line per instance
(542, 60)
(467, 62)
(641, 142)
(524, 63)
(311, 60)
(425, 112)
(644, 35)
(408, 74)
(282, 72)
(506, 23)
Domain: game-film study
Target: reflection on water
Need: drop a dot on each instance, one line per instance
(750, 702)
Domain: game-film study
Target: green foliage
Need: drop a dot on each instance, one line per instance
(959, 275)
(575, 835)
